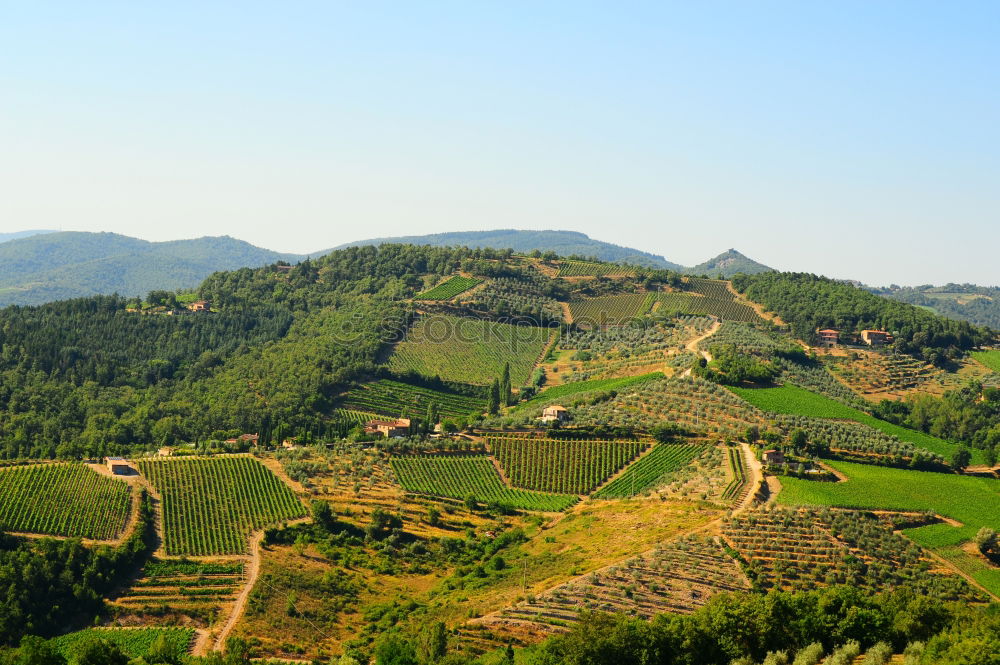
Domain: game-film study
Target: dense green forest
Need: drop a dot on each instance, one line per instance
(808, 303)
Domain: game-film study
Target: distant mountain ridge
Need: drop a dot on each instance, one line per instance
(4, 237)
(41, 268)
(564, 243)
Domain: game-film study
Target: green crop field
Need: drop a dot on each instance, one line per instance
(63, 500)
(793, 400)
(610, 310)
(394, 398)
(211, 505)
(589, 269)
(568, 389)
(712, 288)
(989, 358)
(469, 350)
(971, 500)
(475, 476)
(649, 471)
(561, 465)
(723, 308)
(450, 288)
(133, 642)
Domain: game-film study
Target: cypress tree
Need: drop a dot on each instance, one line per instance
(505, 395)
(493, 406)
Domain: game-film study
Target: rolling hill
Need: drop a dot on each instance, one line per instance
(565, 243)
(4, 237)
(727, 264)
(53, 266)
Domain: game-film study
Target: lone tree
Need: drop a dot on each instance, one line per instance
(493, 405)
(505, 393)
(960, 460)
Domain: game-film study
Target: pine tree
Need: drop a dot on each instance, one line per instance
(493, 406)
(505, 395)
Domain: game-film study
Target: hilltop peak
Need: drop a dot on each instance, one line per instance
(727, 264)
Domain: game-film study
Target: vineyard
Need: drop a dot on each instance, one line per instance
(469, 350)
(461, 477)
(210, 506)
(990, 359)
(611, 310)
(449, 288)
(133, 642)
(394, 398)
(678, 577)
(792, 400)
(524, 296)
(560, 465)
(801, 549)
(650, 471)
(737, 487)
(555, 393)
(189, 588)
(63, 500)
(590, 269)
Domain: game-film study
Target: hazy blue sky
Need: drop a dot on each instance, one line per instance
(855, 139)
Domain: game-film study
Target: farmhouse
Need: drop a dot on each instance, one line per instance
(120, 466)
(165, 451)
(828, 337)
(200, 306)
(876, 337)
(773, 457)
(388, 428)
(555, 413)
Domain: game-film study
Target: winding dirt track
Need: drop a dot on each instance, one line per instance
(240, 606)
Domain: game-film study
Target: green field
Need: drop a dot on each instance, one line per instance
(590, 269)
(567, 389)
(469, 350)
(394, 398)
(460, 477)
(133, 642)
(450, 288)
(793, 400)
(610, 310)
(564, 466)
(63, 500)
(973, 501)
(989, 358)
(723, 308)
(211, 505)
(649, 471)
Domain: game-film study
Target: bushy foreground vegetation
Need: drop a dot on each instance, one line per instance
(210, 505)
(63, 500)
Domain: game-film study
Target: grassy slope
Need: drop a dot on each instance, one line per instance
(567, 389)
(989, 358)
(798, 401)
(973, 501)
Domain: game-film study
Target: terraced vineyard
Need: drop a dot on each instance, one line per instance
(610, 310)
(63, 500)
(449, 288)
(678, 577)
(133, 642)
(394, 398)
(469, 350)
(693, 403)
(650, 470)
(461, 477)
(561, 465)
(805, 548)
(187, 587)
(589, 269)
(211, 505)
(737, 487)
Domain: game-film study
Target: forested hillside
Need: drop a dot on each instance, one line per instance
(808, 303)
(55, 266)
(964, 302)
